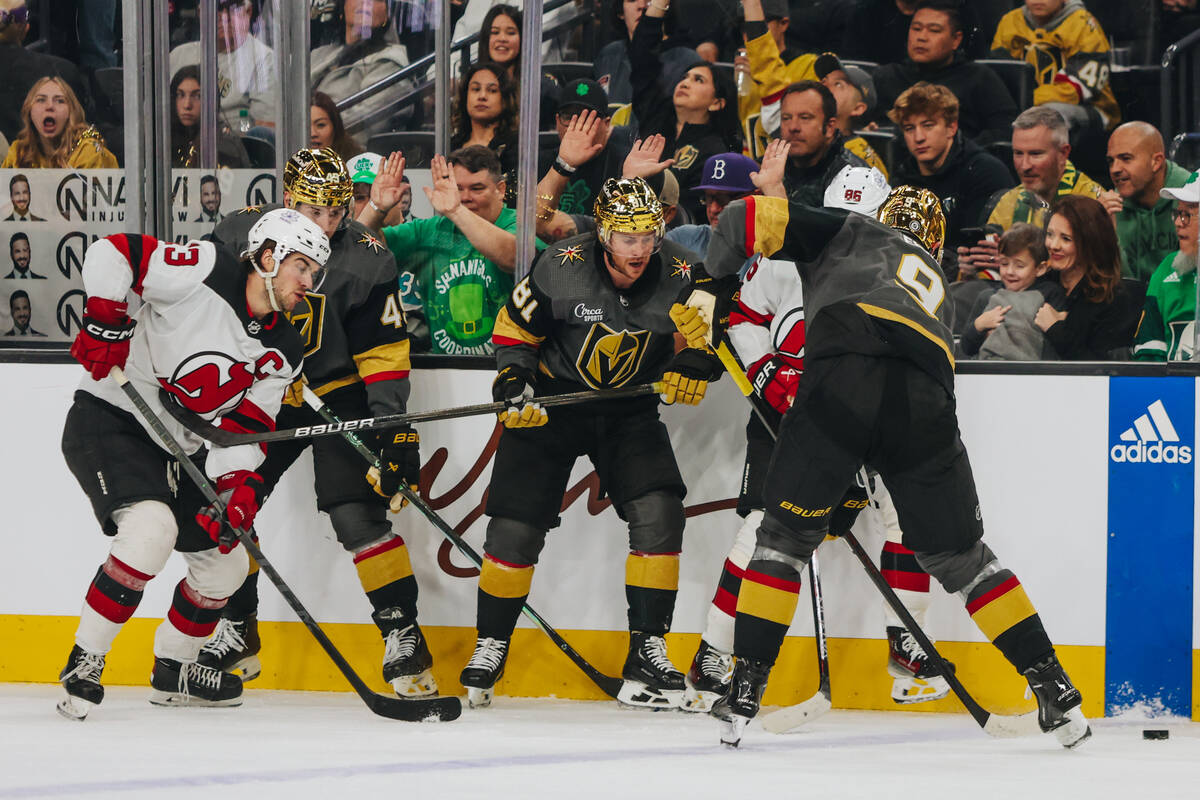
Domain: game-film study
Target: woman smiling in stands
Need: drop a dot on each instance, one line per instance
(55, 132)
(486, 114)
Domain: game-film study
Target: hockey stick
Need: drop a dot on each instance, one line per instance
(609, 685)
(223, 438)
(998, 725)
(438, 708)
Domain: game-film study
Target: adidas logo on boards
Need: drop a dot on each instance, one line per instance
(1150, 440)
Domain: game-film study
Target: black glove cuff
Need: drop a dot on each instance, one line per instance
(510, 382)
(692, 362)
(402, 437)
(109, 331)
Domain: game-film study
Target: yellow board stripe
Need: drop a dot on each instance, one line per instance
(883, 313)
(384, 566)
(505, 580)
(767, 602)
(390, 357)
(651, 571)
(505, 328)
(1004, 612)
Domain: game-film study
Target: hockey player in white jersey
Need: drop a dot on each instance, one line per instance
(210, 331)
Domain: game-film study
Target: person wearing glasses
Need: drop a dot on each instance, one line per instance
(1167, 331)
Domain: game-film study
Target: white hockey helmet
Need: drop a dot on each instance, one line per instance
(861, 189)
(292, 232)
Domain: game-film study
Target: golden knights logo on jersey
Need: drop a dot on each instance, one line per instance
(608, 358)
(308, 317)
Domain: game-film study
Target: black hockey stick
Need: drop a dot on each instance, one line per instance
(609, 685)
(999, 725)
(202, 427)
(416, 710)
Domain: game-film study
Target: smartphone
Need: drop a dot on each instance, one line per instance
(971, 236)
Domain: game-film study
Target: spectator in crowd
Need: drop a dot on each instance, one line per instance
(362, 57)
(1099, 312)
(185, 126)
(363, 168)
(500, 39)
(961, 173)
(1139, 170)
(21, 255)
(1167, 331)
(245, 66)
(818, 25)
(935, 37)
(416, 21)
(1181, 17)
(699, 119)
(1041, 150)
(1002, 320)
(462, 259)
(55, 132)
(878, 30)
(326, 129)
(1070, 56)
(583, 173)
(816, 148)
(485, 114)
(210, 200)
(772, 65)
(18, 192)
(612, 67)
(854, 91)
(726, 177)
(23, 68)
(22, 314)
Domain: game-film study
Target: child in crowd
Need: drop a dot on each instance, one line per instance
(1003, 320)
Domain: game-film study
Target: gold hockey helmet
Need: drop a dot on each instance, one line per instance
(628, 205)
(317, 177)
(918, 213)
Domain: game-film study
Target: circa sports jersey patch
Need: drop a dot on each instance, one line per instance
(686, 156)
(680, 268)
(309, 318)
(608, 359)
(567, 255)
(585, 311)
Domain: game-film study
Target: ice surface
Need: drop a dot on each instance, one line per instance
(327, 745)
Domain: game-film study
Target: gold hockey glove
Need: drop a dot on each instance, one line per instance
(514, 387)
(690, 322)
(686, 377)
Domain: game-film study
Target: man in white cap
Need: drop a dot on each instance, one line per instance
(1167, 331)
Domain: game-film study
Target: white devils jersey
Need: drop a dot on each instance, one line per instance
(195, 338)
(769, 316)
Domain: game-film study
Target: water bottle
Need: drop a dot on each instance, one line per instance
(742, 75)
(243, 121)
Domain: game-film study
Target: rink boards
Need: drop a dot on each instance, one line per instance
(1086, 483)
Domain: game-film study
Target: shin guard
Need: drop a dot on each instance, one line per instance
(503, 588)
(386, 575)
(651, 583)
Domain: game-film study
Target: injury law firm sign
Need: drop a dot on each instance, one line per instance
(1151, 520)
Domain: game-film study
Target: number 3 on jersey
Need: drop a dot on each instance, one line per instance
(522, 298)
(922, 282)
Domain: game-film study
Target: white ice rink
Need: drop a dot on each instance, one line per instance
(309, 745)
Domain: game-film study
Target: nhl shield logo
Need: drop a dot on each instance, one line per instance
(309, 318)
(608, 358)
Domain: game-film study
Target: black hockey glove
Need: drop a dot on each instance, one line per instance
(686, 377)
(399, 465)
(853, 501)
(514, 387)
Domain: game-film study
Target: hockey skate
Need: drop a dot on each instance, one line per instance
(187, 683)
(708, 679)
(914, 679)
(741, 704)
(407, 662)
(234, 648)
(651, 680)
(483, 670)
(81, 678)
(1058, 702)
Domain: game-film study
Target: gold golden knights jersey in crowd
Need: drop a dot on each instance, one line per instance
(353, 325)
(567, 321)
(850, 265)
(1070, 57)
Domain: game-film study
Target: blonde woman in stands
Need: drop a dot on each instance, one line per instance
(54, 132)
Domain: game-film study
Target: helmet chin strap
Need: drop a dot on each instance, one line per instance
(268, 280)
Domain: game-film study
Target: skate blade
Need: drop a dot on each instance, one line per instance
(161, 698)
(247, 669)
(919, 690)
(732, 728)
(479, 698)
(697, 701)
(639, 695)
(410, 686)
(74, 708)
(1075, 731)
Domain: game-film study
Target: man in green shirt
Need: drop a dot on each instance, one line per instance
(1167, 331)
(457, 265)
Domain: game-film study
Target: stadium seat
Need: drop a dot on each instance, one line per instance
(1018, 76)
(260, 152)
(418, 146)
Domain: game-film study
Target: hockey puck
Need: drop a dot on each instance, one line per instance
(1155, 734)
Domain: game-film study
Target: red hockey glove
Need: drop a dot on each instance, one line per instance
(103, 342)
(774, 381)
(239, 492)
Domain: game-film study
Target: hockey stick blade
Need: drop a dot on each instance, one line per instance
(441, 708)
(225, 438)
(607, 684)
(792, 717)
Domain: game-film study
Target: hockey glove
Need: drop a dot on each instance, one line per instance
(686, 377)
(103, 342)
(844, 513)
(240, 492)
(514, 387)
(399, 465)
(774, 381)
(690, 322)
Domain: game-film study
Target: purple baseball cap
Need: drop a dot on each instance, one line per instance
(728, 172)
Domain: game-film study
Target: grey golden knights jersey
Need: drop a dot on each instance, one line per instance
(353, 326)
(567, 321)
(867, 288)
